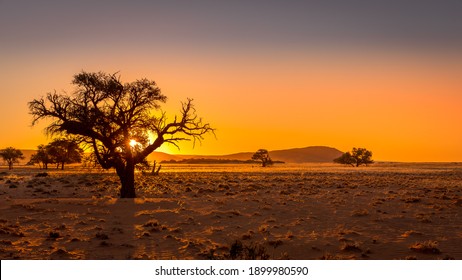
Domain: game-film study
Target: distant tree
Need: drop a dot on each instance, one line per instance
(263, 156)
(356, 157)
(42, 157)
(346, 158)
(109, 116)
(64, 151)
(11, 155)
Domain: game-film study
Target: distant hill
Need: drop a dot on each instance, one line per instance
(297, 155)
(27, 154)
(308, 154)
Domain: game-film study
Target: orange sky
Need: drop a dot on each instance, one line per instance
(404, 104)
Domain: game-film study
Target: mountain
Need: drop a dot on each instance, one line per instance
(297, 155)
(308, 154)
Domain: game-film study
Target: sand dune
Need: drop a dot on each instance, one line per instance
(294, 212)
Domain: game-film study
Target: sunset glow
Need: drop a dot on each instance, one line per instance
(133, 143)
(219, 132)
(282, 76)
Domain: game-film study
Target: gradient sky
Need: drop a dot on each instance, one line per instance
(385, 75)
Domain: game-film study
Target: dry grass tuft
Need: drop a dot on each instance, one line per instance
(240, 251)
(426, 247)
(350, 247)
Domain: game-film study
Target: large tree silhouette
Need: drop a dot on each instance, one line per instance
(115, 119)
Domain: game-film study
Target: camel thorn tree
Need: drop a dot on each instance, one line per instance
(115, 119)
(263, 156)
(356, 157)
(11, 156)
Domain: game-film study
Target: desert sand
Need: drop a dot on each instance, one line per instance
(311, 211)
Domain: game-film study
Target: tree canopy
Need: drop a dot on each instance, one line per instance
(42, 156)
(109, 116)
(356, 157)
(64, 151)
(59, 151)
(11, 155)
(263, 156)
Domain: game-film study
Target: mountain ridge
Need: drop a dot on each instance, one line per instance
(293, 155)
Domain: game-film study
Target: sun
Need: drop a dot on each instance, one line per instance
(133, 143)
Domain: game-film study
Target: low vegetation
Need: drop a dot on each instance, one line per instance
(59, 152)
(241, 251)
(357, 157)
(426, 247)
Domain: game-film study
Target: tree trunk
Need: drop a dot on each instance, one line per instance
(127, 178)
(62, 165)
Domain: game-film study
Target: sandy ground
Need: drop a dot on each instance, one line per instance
(318, 211)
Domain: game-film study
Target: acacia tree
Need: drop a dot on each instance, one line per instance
(64, 151)
(11, 156)
(356, 157)
(263, 156)
(110, 116)
(42, 156)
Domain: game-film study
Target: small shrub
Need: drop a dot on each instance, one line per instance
(53, 235)
(252, 251)
(236, 250)
(350, 247)
(426, 247)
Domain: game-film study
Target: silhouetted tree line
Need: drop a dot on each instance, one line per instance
(59, 152)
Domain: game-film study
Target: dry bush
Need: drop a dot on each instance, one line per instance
(350, 247)
(426, 247)
(241, 251)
